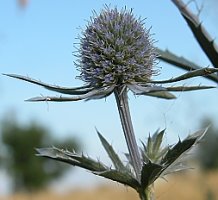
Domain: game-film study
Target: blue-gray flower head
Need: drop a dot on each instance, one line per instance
(116, 49)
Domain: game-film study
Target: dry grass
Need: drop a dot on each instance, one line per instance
(189, 186)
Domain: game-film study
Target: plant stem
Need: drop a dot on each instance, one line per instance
(146, 194)
(123, 108)
(143, 196)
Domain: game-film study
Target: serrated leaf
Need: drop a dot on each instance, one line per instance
(150, 172)
(177, 150)
(120, 177)
(71, 158)
(181, 147)
(198, 134)
(112, 154)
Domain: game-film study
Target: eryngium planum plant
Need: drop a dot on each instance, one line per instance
(116, 55)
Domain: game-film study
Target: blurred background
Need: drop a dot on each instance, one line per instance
(38, 39)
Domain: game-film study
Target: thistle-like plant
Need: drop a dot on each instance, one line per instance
(116, 55)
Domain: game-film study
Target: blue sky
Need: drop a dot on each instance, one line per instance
(38, 41)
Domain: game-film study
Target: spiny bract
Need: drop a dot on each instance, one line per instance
(115, 48)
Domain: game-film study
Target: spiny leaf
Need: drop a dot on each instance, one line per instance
(181, 147)
(161, 153)
(144, 155)
(93, 94)
(149, 145)
(89, 164)
(112, 154)
(188, 88)
(63, 90)
(157, 142)
(150, 172)
(177, 150)
(120, 177)
(71, 158)
(153, 151)
(191, 74)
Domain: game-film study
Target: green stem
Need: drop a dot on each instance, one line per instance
(146, 194)
(143, 196)
(123, 108)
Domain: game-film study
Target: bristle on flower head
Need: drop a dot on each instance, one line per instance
(115, 48)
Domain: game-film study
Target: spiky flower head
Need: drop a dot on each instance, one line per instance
(115, 48)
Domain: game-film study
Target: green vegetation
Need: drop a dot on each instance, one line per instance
(27, 171)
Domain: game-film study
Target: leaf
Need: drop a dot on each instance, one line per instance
(155, 91)
(191, 74)
(150, 172)
(149, 145)
(138, 89)
(112, 154)
(102, 93)
(144, 154)
(71, 158)
(89, 164)
(120, 177)
(63, 90)
(162, 153)
(182, 63)
(153, 151)
(188, 88)
(162, 95)
(173, 59)
(158, 137)
(181, 147)
(93, 94)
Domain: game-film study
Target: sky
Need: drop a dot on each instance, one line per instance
(39, 41)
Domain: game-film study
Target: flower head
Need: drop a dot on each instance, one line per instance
(115, 49)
